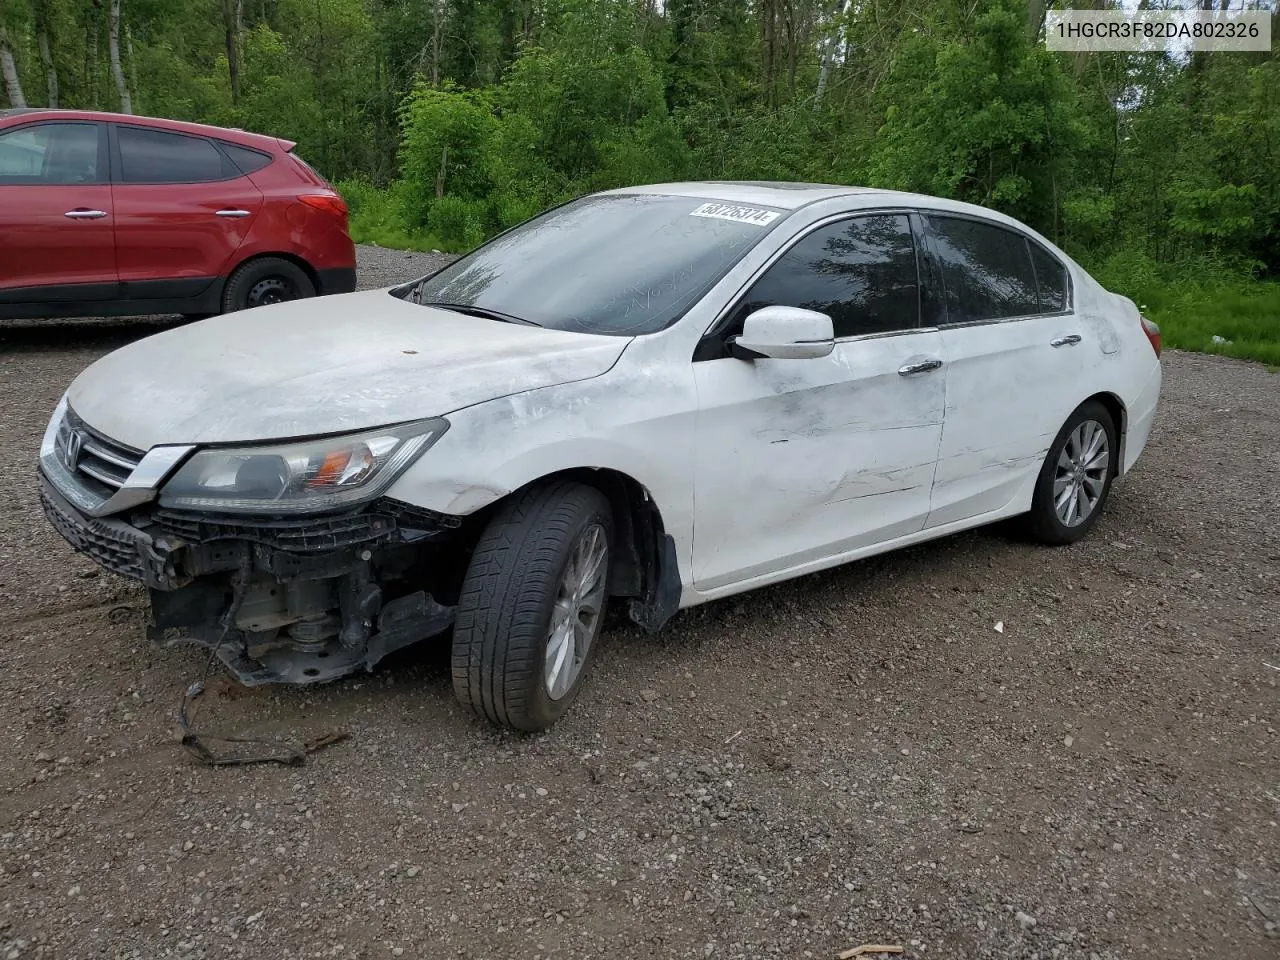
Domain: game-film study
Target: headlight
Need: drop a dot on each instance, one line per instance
(302, 477)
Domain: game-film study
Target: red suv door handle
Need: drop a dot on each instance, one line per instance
(80, 213)
(232, 213)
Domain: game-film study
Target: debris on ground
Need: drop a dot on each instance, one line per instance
(290, 753)
(869, 949)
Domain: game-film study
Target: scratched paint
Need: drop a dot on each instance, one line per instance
(324, 365)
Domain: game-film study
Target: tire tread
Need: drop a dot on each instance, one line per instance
(498, 638)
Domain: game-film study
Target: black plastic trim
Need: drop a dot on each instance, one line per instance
(103, 300)
(335, 280)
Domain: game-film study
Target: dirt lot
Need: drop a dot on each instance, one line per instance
(858, 756)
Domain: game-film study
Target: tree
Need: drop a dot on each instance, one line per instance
(122, 88)
(46, 55)
(9, 69)
(233, 29)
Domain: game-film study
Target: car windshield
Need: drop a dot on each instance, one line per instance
(622, 264)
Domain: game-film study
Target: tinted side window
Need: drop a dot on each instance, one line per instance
(861, 272)
(986, 270)
(1051, 278)
(157, 156)
(50, 153)
(246, 160)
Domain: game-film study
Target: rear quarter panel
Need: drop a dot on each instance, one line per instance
(289, 226)
(1126, 366)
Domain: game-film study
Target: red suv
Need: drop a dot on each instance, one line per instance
(105, 214)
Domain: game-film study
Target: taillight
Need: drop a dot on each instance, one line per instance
(325, 202)
(1153, 333)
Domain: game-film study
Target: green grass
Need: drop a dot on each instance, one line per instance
(377, 217)
(1245, 318)
(1201, 305)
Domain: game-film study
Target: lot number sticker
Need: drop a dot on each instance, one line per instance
(730, 211)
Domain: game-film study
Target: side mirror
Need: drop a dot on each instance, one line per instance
(784, 333)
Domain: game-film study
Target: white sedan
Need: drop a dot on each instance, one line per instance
(659, 395)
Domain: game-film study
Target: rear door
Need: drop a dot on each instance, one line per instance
(57, 232)
(182, 210)
(1016, 363)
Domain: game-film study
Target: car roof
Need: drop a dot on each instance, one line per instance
(262, 141)
(768, 193)
(791, 196)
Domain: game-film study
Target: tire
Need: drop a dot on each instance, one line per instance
(1047, 522)
(266, 280)
(504, 665)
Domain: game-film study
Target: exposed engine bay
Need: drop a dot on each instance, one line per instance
(298, 601)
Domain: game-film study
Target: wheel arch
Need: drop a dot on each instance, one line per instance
(293, 258)
(1119, 418)
(645, 568)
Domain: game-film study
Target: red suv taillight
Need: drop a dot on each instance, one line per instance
(1153, 333)
(325, 202)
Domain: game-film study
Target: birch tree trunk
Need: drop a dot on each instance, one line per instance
(133, 64)
(9, 70)
(46, 57)
(829, 51)
(91, 63)
(231, 20)
(113, 39)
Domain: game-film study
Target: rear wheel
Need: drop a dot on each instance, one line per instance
(532, 605)
(1075, 479)
(264, 281)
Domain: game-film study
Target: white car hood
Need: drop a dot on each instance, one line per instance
(323, 365)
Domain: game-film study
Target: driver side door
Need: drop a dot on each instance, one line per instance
(57, 228)
(801, 462)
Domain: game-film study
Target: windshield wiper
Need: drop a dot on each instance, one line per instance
(483, 312)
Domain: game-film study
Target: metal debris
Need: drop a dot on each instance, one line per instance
(287, 752)
(869, 948)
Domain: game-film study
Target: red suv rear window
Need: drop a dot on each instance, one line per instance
(246, 160)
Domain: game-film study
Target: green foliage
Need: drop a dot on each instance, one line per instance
(450, 120)
(447, 141)
(976, 119)
(459, 223)
(377, 216)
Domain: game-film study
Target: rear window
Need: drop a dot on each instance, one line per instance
(986, 270)
(1051, 278)
(246, 160)
(158, 156)
(310, 169)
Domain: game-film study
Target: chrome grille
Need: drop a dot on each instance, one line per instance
(99, 463)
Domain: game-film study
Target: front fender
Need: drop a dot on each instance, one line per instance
(639, 420)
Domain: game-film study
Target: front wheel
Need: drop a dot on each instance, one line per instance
(532, 604)
(264, 281)
(1076, 477)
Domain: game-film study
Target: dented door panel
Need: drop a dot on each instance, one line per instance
(798, 460)
(1008, 393)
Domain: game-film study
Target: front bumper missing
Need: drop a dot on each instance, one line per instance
(332, 661)
(114, 544)
(199, 572)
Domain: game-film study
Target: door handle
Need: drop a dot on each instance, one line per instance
(85, 214)
(232, 213)
(921, 366)
(1068, 340)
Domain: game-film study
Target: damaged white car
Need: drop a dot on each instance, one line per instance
(655, 396)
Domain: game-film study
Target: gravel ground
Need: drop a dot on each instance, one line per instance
(857, 756)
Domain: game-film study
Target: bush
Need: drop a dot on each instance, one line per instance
(457, 222)
(377, 217)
